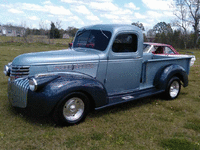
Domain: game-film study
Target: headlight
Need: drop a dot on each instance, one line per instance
(6, 70)
(33, 84)
(37, 83)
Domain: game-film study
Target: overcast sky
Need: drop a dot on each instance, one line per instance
(79, 13)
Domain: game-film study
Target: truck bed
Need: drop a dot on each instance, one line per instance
(153, 63)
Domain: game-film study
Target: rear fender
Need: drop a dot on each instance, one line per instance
(166, 73)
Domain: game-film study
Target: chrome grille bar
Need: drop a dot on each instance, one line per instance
(20, 71)
(17, 92)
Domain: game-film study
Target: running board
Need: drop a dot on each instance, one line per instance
(122, 98)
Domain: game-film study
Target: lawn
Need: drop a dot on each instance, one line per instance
(150, 123)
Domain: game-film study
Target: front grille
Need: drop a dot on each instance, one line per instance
(17, 92)
(20, 71)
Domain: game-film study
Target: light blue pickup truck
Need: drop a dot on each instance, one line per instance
(105, 66)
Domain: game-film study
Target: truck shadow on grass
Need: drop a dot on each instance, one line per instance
(126, 106)
(48, 121)
(32, 118)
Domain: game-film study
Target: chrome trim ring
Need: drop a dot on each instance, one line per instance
(73, 109)
(33, 84)
(174, 89)
(6, 70)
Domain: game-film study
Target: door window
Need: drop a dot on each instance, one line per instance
(168, 50)
(125, 43)
(159, 50)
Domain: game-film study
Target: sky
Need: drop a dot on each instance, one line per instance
(79, 13)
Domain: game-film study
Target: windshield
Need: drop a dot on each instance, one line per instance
(96, 39)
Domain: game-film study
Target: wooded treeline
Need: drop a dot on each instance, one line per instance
(164, 33)
(160, 33)
(182, 32)
(55, 31)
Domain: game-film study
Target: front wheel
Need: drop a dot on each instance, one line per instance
(173, 88)
(72, 110)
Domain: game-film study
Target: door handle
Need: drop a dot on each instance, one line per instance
(138, 57)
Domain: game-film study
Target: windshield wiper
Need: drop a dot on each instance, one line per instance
(81, 32)
(104, 33)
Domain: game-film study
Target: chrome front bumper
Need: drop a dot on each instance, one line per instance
(18, 91)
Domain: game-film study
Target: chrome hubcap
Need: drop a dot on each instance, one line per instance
(174, 89)
(73, 109)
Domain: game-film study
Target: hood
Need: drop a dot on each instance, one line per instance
(58, 56)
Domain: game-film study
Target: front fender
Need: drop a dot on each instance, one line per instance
(55, 91)
(166, 73)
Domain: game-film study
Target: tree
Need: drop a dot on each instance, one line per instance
(189, 14)
(162, 32)
(23, 25)
(28, 31)
(43, 28)
(181, 14)
(71, 31)
(138, 24)
(178, 39)
(181, 22)
(54, 32)
(150, 35)
(162, 27)
(58, 24)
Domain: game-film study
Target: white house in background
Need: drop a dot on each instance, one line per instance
(12, 31)
(65, 36)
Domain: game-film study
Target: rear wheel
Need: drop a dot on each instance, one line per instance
(173, 88)
(72, 110)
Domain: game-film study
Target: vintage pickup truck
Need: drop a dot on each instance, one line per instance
(105, 66)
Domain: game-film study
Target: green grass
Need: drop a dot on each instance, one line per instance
(193, 123)
(149, 123)
(178, 144)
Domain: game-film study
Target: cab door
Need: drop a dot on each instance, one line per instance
(124, 65)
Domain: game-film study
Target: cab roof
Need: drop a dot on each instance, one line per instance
(157, 44)
(112, 27)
